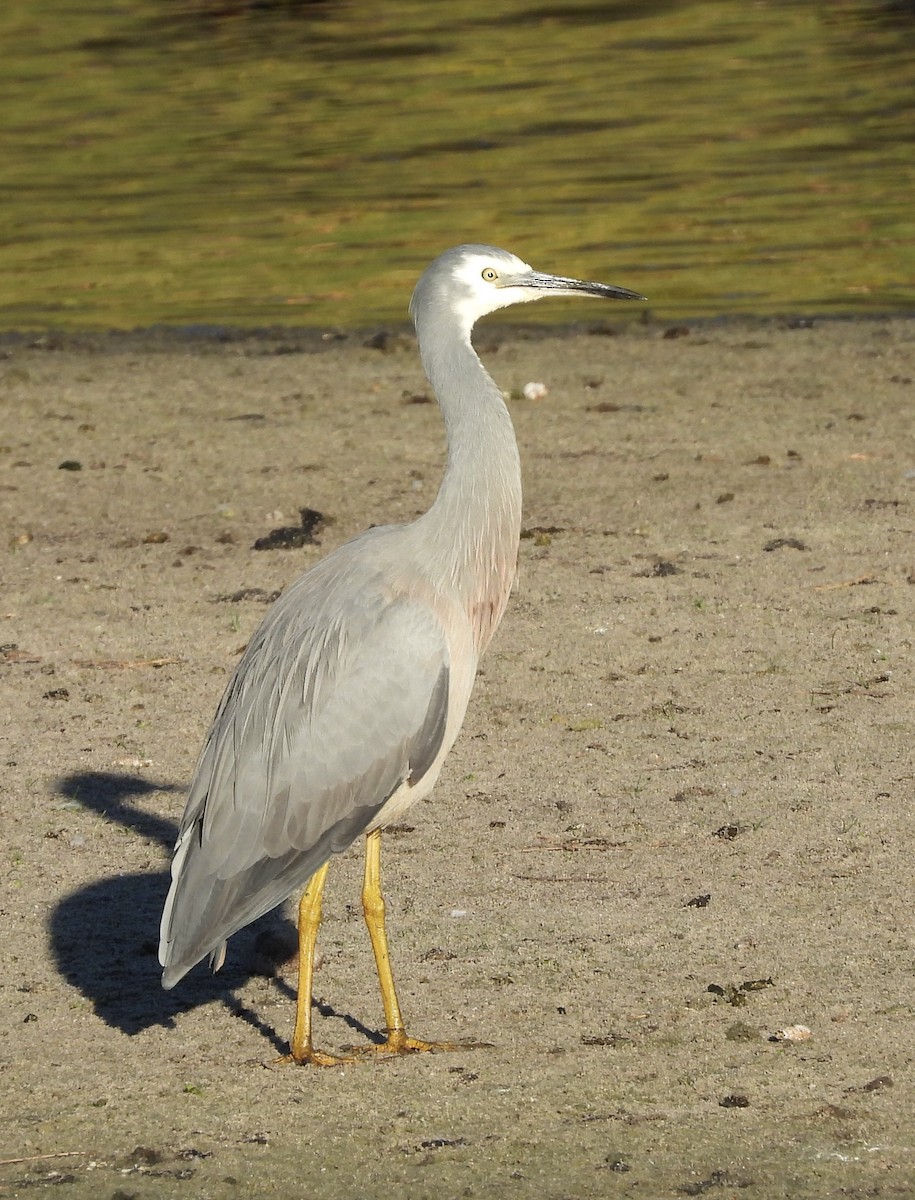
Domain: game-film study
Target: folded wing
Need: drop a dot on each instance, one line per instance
(340, 699)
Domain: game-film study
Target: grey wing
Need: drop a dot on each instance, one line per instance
(328, 714)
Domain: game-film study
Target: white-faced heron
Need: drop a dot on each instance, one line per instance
(354, 687)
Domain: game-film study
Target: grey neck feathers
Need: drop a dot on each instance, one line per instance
(476, 517)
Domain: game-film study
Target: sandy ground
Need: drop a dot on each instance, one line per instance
(679, 819)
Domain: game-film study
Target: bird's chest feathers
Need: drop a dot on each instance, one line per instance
(486, 605)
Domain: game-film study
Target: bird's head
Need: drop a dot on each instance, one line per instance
(467, 282)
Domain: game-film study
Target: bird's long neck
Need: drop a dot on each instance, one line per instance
(475, 521)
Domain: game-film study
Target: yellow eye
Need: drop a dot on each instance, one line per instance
(490, 274)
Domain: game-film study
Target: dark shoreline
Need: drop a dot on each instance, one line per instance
(294, 339)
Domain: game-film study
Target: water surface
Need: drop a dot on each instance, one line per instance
(221, 162)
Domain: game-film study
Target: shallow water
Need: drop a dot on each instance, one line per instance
(299, 163)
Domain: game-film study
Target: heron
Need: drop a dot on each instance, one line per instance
(354, 687)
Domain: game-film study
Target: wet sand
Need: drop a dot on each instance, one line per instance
(679, 818)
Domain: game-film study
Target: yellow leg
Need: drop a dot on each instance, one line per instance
(397, 1041)
(302, 1049)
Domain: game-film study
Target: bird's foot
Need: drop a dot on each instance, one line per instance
(309, 1056)
(398, 1043)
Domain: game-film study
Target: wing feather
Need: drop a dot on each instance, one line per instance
(340, 699)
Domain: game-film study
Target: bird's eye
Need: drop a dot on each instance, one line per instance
(490, 274)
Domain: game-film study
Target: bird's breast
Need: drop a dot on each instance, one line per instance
(486, 611)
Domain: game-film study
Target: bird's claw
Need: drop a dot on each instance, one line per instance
(401, 1044)
(314, 1058)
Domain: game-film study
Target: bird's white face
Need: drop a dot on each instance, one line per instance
(489, 281)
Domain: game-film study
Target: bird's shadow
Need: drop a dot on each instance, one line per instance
(104, 935)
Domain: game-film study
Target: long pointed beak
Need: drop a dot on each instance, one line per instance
(560, 285)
